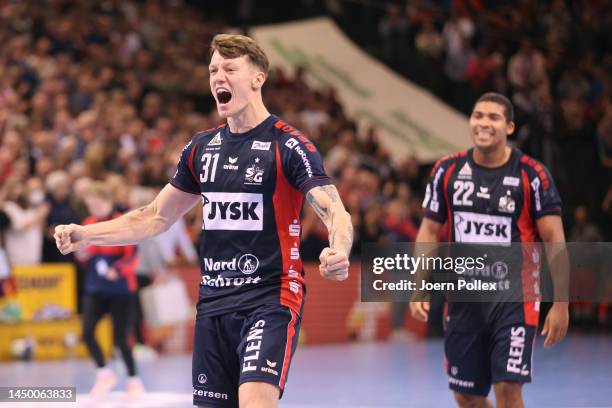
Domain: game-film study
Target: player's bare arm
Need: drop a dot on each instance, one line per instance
(326, 202)
(550, 229)
(428, 234)
(140, 224)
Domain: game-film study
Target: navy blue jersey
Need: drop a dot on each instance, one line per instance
(252, 186)
(494, 206)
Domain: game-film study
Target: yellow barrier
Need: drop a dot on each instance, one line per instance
(39, 287)
(53, 339)
(44, 292)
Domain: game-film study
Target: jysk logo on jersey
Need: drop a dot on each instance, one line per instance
(482, 228)
(233, 211)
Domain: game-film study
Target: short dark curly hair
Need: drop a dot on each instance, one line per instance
(500, 100)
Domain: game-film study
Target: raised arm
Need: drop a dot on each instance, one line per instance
(133, 227)
(326, 202)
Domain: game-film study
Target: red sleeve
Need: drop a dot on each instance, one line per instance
(126, 265)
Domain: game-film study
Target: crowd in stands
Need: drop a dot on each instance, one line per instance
(113, 90)
(552, 58)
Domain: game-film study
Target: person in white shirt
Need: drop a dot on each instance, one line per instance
(27, 210)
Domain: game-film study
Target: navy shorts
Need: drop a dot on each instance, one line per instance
(250, 345)
(474, 361)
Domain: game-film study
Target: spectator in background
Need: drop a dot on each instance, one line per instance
(110, 284)
(80, 190)
(393, 31)
(58, 190)
(342, 153)
(455, 68)
(429, 41)
(429, 46)
(151, 265)
(583, 230)
(27, 211)
(157, 257)
(482, 69)
(371, 229)
(526, 71)
(604, 139)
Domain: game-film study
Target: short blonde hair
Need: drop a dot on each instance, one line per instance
(235, 46)
(101, 190)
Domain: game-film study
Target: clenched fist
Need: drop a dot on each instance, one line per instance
(334, 264)
(69, 238)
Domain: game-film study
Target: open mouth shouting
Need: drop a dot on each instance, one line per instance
(223, 96)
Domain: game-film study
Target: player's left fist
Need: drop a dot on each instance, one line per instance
(334, 264)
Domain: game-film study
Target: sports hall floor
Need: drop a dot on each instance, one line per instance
(575, 373)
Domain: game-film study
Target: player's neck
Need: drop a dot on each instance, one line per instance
(494, 158)
(251, 116)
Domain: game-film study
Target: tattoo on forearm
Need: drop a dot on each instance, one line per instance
(321, 212)
(338, 223)
(331, 192)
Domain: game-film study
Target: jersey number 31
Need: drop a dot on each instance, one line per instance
(207, 160)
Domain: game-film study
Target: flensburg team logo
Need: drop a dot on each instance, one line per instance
(248, 264)
(254, 173)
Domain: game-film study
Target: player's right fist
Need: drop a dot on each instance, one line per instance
(334, 264)
(69, 238)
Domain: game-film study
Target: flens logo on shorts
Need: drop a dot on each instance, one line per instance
(202, 378)
(248, 264)
(254, 173)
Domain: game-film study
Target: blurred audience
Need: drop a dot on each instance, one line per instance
(112, 91)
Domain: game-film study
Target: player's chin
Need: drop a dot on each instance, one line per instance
(223, 113)
(485, 145)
